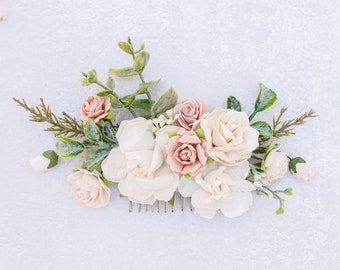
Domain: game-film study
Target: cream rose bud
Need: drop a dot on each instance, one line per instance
(95, 108)
(44, 161)
(276, 165)
(87, 188)
(230, 139)
(305, 171)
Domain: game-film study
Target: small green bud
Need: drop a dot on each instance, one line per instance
(199, 132)
(172, 134)
(288, 191)
(280, 211)
(210, 160)
(187, 176)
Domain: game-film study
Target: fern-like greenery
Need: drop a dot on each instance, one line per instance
(66, 125)
(286, 128)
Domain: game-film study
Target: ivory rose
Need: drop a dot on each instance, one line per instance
(138, 164)
(186, 153)
(305, 171)
(219, 188)
(95, 108)
(189, 111)
(87, 188)
(276, 165)
(230, 139)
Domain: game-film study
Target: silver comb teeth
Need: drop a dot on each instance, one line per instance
(160, 206)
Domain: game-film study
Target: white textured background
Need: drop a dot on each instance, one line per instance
(209, 49)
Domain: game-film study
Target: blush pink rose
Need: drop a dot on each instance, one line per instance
(186, 153)
(95, 108)
(189, 111)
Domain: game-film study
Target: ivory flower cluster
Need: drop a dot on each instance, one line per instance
(151, 150)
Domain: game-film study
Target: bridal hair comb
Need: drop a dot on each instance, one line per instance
(155, 151)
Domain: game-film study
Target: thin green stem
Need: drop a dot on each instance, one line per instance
(252, 115)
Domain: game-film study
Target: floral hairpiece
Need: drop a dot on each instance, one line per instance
(152, 150)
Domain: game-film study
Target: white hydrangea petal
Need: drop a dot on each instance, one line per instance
(236, 205)
(187, 187)
(205, 213)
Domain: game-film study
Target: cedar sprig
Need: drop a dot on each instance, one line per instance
(286, 128)
(66, 125)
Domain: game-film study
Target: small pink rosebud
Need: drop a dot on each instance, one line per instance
(95, 108)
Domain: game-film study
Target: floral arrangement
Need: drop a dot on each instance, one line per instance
(152, 150)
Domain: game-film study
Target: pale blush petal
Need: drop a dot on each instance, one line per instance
(174, 165)
(236, 205)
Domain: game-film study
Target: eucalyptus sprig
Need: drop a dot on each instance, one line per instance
(65, 125)
(285, 128)
(265, 190)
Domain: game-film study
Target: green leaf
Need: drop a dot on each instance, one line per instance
(115, 103)
(104, 93)
(127, 100)
(107, 183)
(67, 148)
(233, 103)
(265, 99)
(110, 83)
(152, 84)
(92, 76)
(109, 133)
(172, 201)
(125, 46)
(52, 156)
(141, 48)
(142, 89)
(141, 61)
(263, 127)
(293, 162)
(165, 102)
(143, 106)
(122, 72)
(92, 132)
(95, 158)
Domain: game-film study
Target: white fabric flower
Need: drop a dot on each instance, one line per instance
(219, 188)
(305, 171)
(87, 188)
(230, 138)
(40, 163)
(138, 164)
(276, 165)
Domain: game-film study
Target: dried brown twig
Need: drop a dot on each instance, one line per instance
(65, 125)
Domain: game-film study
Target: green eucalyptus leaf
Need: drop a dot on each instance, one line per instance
(152, 84)
(67, 147)
(115, 103)
(127, 100)
(52, 156)
(125, 46)
(109, 133)
(265, 98)
(95, 158)
(233, 103)
(141, 61)
(141, 48)
(165, 102)
(104, 93)
(110, 83)
(293, 162)
(122, 72)
(107, 183)
(92, 132)
(143, 106)
(92, 76)
(263, 127)
(142, 89)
